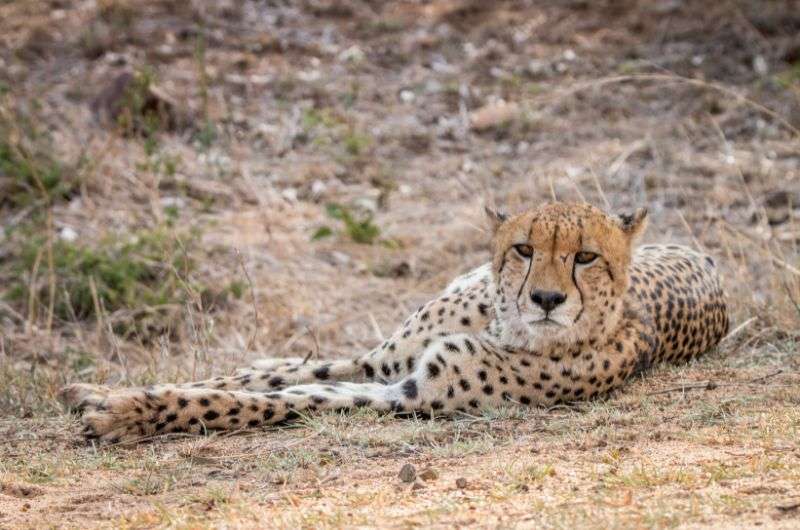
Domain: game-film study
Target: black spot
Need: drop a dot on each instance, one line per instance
(505, 396)
(482, 375)
(252, 423)
(233, 412)
(503, 380)
(437, 405)
(410, 390)
(451, 347)
(550, 394)
(464, 384)
(276, 381)
(211, 415)
(193, 421)
(410, 364)
(544, 376)
(606, 364)
(182, 403)
(204, 402)
(465, 321)
(520, 381)
(171, 417)
(323, 372)
(361, 402)
(474, 403)
(482, 308)
(319, 399)
(525, 400)
(433, 370)
(386, 370)
(369, 371)
(451, 392)
(268, 414)
(488, 390)
(469, 345)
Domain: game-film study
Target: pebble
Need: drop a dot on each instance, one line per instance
(461, 483)
(408, 473)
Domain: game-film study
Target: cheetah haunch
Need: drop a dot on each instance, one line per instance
(566, 310)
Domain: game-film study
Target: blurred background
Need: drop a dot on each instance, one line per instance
(185, 186)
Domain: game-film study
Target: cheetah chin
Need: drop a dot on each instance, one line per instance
(568, 309)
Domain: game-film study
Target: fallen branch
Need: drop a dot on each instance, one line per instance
(711, 385)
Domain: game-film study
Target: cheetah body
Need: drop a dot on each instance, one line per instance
(485, 340)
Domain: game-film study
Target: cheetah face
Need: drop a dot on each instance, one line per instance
(561, 271)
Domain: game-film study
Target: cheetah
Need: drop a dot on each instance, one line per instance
(568, 309)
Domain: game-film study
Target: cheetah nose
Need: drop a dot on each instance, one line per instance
(548, 300)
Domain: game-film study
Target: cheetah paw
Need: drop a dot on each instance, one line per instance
(119, 418)
(82, 397)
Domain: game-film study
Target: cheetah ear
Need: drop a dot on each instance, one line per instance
(633, 224)
(496, 218)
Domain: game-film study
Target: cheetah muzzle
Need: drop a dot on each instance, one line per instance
(568, 309)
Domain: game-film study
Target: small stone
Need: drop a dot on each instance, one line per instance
(408, 473)
(461, 483)
(493, 115)
(429, 474)
(418, 486)
(68, 234)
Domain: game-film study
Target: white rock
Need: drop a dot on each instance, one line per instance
(407, 96)
(68, 234)
(353, 54)
(289, 194)
(760, 65)
(318, 187)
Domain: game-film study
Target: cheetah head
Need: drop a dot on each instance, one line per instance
(561, 271)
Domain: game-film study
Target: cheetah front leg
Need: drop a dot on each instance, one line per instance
(454, 374)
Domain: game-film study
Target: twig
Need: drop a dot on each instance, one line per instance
(711, 385)
(252, 341)
(739, 328)
(580, 87)
(315, 351)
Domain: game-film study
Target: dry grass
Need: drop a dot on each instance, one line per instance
(366, 106)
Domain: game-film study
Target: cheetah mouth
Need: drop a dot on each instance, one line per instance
(546, 322)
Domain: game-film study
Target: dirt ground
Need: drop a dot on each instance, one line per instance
(310, 172)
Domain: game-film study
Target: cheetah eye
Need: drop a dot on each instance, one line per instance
(526, 251)
(584, 257)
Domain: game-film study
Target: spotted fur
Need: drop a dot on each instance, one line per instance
(566, 311)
